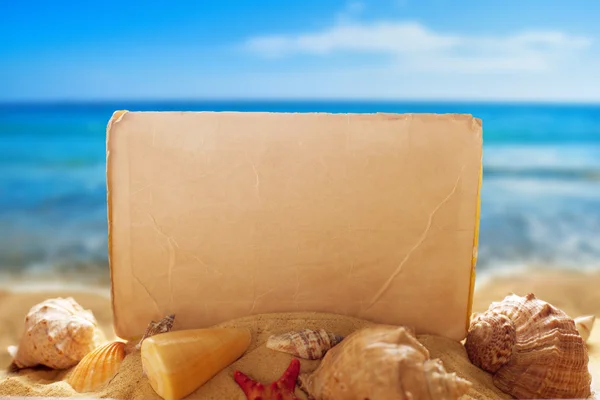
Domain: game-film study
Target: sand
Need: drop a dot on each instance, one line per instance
(575, 292)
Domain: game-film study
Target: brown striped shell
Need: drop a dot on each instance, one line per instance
(97, 368)
(383, 363)
(533, 349)
(306, 343)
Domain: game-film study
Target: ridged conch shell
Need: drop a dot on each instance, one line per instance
(97, 368)
(584, 325)
(383, 363)
(532, 348)
(58, 334)
(179, 362)
(306, 343)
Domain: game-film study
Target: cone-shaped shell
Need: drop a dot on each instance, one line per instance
(97, 368)
(310, 344)
(533, 349)
(383, 363)
(179, 362)
(584, 325)
(58, 334)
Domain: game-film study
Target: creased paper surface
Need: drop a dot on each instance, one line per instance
(214, 216)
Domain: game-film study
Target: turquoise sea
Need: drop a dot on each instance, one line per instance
(540, 194)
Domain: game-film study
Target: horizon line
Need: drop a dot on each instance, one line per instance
(259, 100)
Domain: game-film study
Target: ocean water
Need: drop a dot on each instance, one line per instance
(540, 194)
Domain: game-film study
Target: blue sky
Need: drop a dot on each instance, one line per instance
(387, 49)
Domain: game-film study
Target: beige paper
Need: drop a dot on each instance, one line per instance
(214, 216)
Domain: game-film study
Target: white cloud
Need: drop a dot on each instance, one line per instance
(413, 46)
(392, 38)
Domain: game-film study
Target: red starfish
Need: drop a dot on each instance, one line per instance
(282, 389)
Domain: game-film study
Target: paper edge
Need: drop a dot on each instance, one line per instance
(114, 119)
(476, 122)
(475, 250)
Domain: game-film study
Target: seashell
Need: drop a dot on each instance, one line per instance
(98, 367)
(307, 343)
(533, 349)
(58, 334)
(154, 328)
(584, 325)
(179, 362)
(382, 362)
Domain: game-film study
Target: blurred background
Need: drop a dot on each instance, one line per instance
(529, 70)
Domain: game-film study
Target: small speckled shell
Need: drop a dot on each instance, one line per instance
(58, 334)
(533, 349)
(383, 363)
(307, 343)
(164, 325)
(98, 367)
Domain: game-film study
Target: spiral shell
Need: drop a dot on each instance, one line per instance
(533, 349)
(384, 363)
(306, 343)
(97, 368)
(58, 334)
(163, 325)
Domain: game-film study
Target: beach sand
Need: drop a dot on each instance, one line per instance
(575, 292)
